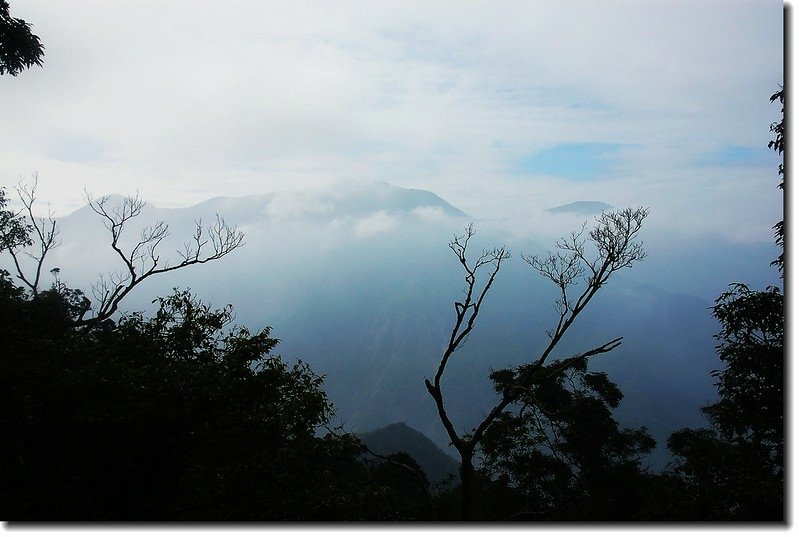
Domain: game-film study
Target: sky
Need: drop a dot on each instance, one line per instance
(503, 108)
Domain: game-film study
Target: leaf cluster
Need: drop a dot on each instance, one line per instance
(19, 47)
(560, 449)
(175, 417)
(734, 470)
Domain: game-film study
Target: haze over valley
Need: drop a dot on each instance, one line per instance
(358, 282)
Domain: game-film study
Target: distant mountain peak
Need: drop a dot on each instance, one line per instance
(582, 208)
(399, 437)
(345, 199)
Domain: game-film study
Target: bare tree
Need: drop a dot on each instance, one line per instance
(610, 246)
(24, 232)
(41, 233)
(143, 260)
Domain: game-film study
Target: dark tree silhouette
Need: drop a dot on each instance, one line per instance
(14, 231)
(751, 384)
(614, 248)
(180, 416)
(41, 234)
(403, 486)
(562, 453)
(143, 260)
(19, 48)
(778, 145)
(140, 262)
(175, 417)
(734, 470)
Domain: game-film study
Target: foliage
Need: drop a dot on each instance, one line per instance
(176, 417)
(750, 387)
(19, 48)
(735, 470)
(402, 486)
(14, 232)
(560, 450)
(778, 145)
(719, 479)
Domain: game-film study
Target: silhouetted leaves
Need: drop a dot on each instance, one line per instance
(561, 452)
(735, 470)
(778, 145)
(19, 47)
(178, 416)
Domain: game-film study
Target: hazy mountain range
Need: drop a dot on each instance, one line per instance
(586, 208)
(358, 281)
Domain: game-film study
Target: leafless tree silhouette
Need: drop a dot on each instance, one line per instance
(37, 237)
(609, 247)
(143, 260)
(41, 234)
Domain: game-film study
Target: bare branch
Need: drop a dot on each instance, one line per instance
(40, 233)
(466, 313)
(613, 239)
(143, 260)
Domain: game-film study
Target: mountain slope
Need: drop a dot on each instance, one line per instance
(398, 437)
(586, 208)
(349, 199)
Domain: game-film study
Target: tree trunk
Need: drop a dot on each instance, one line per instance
(467, 487)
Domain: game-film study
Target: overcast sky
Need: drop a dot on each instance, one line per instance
(502, 108)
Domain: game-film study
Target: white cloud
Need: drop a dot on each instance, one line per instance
(189, 99)
(429, 214)
(374, 224)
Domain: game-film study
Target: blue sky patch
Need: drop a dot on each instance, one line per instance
(77, 148)
(579, 162)
(738, 155)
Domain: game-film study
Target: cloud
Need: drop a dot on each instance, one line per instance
(374, 224)
(76, 148)
(190, 100)
(430, 214)
(286, 206)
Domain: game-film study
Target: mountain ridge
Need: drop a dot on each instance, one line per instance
(354, 198)
(364, 295)
(399, 437)
(585, 208)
